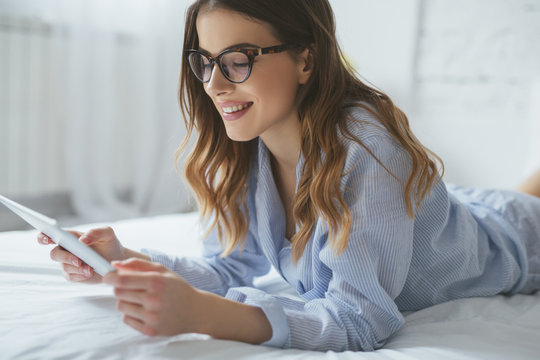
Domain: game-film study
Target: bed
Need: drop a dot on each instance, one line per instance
(42, 316)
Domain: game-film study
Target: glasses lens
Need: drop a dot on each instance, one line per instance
(235, 66)
(201, 66)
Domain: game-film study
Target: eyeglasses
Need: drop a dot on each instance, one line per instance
(235, 64)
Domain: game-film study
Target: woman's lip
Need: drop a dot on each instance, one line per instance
(236, 115)
(233, 103)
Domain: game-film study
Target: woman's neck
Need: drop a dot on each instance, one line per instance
(284, 145)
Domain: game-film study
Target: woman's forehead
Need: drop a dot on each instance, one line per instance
(220, 29)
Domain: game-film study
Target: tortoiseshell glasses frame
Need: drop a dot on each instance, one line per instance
(235, 63)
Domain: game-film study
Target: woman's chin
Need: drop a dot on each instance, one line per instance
(235, 136)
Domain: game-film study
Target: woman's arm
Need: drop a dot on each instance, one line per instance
(230, 320)
(135, 254)
(155, 301)
(214, 273)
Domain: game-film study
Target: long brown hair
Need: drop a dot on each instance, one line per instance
(217, 167)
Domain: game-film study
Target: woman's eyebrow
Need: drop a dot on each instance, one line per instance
(240, 45)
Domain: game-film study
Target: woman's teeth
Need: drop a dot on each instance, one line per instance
(235, 108)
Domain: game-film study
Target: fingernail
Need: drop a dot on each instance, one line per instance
(86, 271)
(44, 240)
(75, 262)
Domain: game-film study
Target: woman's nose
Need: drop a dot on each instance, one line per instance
(218, 83)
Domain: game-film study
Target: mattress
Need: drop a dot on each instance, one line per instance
(42, 316)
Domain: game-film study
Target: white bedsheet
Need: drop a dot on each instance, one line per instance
(44, 317)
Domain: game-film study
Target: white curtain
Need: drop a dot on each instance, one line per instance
(117, 62)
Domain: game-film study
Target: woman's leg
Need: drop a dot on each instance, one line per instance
(531, 185)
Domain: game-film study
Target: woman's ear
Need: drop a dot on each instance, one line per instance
(305, 66)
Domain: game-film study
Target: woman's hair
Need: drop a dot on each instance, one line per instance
(217, 167)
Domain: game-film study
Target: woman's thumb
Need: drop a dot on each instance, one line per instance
(78, 234)
(86, 239)
(138, 265)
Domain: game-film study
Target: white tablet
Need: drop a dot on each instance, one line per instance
(61, 237)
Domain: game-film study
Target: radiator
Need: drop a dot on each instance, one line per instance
(31, 114)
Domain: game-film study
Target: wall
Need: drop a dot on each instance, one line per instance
(380, 39)
(479, 64)
(465, 73)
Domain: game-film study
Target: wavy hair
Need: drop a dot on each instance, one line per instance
(217, 167)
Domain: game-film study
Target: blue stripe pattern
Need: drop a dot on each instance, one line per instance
(461, 243)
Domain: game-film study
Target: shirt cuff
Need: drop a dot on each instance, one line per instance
(272, 309)
(197, 272)
(158, 257)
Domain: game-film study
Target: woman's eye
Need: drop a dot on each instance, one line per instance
(241, 64)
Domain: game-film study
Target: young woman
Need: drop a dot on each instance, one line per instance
(300, 166)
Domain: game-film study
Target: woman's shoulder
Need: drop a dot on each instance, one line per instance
(363, 129)
(369, 147)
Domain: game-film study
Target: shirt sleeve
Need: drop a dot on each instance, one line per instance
(357, 309)
(214, 273)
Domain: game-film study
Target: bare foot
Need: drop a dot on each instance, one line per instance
(531, 185)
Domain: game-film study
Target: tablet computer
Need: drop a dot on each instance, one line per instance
(60, 236)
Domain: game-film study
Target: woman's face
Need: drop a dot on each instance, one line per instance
(270, 91)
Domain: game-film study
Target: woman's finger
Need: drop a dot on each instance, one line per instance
(131, 280)
(44, 239)
(137, 325)
(136, 264)
(60, 255)
(83, 270)
(133, 296)
(131, 309)
(102, 234)
(75, 277)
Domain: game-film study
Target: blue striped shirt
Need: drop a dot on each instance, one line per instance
(460, 243)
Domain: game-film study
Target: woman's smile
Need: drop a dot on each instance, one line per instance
(234, 110)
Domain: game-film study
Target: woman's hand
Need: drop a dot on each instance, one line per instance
(103, 240)
(154, 300)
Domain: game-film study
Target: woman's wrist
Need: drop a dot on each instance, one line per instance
(226, 319)
(128, 254)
